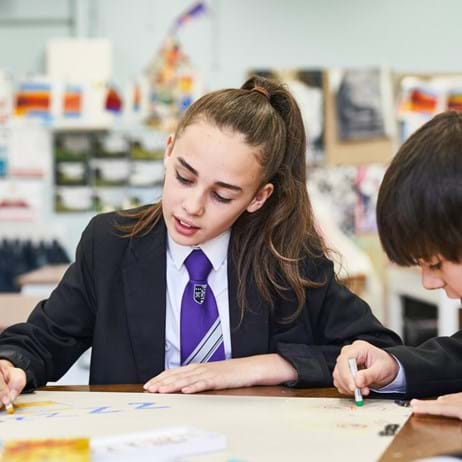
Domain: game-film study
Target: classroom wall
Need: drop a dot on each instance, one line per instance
(415, 35)
(410, 35)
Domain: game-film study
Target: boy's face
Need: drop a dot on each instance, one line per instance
(440, 273)
(211, 177)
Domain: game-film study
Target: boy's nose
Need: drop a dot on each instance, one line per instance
(430, 280)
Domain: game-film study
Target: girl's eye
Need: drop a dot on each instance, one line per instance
(222, 199)
(182, 179)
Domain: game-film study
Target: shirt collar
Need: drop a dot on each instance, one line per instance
(216, 250)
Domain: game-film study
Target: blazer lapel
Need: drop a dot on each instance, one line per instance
(251, 335)
(144, 275)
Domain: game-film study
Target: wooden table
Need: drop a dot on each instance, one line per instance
(420, 437)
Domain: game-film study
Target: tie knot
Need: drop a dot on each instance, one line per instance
(198, 266)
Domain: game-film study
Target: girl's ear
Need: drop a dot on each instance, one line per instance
(260, 198)
(169, 148)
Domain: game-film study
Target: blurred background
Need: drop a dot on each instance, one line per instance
(90, 90)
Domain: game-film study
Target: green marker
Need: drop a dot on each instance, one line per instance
(354, 370)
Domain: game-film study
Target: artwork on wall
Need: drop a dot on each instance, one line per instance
(6, 111)
(421, 97)
(360, 105)
(21, 200)
(360, 116)
(174, 82)
(33, 99)
(336, 185)
(174, 85)
(351, 194)
(367, 184)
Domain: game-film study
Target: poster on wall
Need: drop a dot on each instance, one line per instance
(34, 99)
(350, 193)
(421, 97)
(6, 111)
(21, 200)
(3, 150)
(367, 184)
(306, 86)
(174, 84)
(362, 105)
(336, 185)
(29, 149)
(173, 81)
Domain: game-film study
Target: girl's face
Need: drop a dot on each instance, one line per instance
(440, 273)
(211, 177)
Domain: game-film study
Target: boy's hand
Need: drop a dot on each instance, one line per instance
(376, 368)
(12, 382)
(270, 369)
(447, 405)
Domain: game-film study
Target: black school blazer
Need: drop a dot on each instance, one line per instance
(433, 368)
(113, 298)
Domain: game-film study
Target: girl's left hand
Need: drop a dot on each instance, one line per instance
(270, 369)
(447, 405)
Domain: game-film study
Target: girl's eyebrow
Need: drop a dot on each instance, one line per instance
(186, 165)
(218, 183)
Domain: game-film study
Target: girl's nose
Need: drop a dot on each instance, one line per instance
(193, 204)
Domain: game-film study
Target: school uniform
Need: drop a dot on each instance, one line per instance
(430, 369)
(113, 298)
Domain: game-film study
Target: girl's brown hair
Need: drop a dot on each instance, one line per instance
(270, 244)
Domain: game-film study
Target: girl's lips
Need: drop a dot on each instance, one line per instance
(184, 229)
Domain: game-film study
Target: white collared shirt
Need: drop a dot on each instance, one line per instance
(177, 277)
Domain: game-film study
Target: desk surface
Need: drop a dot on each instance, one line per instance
(420, 437)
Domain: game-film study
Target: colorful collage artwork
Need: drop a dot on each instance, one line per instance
(351, 193)
(422, 97)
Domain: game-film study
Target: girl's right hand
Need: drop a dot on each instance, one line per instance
(12, 382)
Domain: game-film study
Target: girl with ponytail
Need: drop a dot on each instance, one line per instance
(224, 283)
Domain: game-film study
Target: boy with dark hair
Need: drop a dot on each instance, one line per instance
(419, 216)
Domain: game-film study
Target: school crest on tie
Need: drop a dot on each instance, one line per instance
(199, 293)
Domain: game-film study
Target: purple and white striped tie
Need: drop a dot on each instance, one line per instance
(200, 327)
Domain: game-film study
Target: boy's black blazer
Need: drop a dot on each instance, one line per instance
(113, 298)
(433, 368)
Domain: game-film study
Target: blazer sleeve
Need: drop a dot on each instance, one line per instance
(434, 367)
(331, 318)
(59, 329)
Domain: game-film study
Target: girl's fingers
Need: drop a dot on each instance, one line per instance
(16, 382)
(200, 385)
(4, 384)
(170, 373)
(176, 383)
